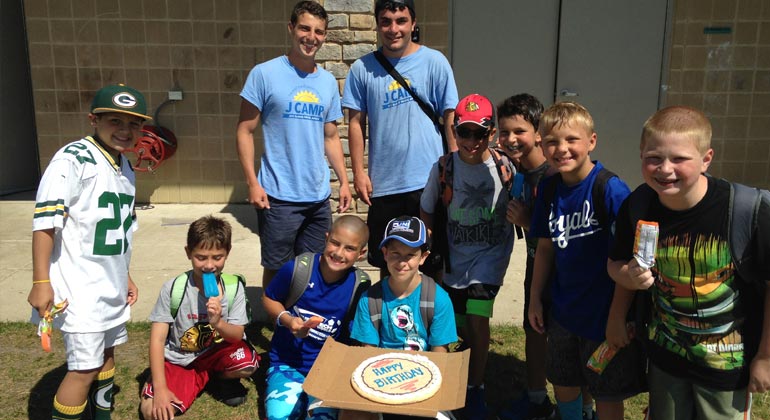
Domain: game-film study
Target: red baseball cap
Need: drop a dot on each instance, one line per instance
(476, 109)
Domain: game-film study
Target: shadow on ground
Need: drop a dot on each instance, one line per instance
(245, 214)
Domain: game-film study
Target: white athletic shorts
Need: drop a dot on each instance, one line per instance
(85, 351)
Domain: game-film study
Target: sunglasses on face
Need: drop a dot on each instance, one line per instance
(468, 133)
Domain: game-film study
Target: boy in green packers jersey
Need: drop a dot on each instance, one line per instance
(81, 246)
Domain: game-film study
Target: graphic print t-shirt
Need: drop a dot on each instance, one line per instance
(699, 327)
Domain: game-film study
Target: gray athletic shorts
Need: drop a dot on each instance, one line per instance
(566, 359)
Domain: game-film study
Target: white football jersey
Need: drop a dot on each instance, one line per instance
(88, 200)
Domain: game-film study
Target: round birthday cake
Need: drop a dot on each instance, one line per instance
(397, 378)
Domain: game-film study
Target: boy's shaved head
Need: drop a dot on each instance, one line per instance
(679, 120)
(353, 224)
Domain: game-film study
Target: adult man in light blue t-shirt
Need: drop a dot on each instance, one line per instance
(403, 141)
(298, 104)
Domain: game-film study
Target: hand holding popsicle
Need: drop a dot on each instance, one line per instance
(45, 326)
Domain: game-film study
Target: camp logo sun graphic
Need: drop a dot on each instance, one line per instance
(397, 95)
(304, 105)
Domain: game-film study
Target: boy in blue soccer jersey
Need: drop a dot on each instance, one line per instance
(295, 345)
(298, 103)
(573, 218)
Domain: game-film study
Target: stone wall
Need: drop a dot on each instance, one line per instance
(203, 47)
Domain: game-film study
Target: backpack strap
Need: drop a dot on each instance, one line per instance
(300, 277)
(597, 195)
(177, 292)
(639, 204)
(232, 283)
(427, 302)
(505, 169)
(362, 283)
(742, 226)
(549, 189)
(375, 304)
(445, 174)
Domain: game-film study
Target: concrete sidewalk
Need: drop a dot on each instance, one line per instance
(158, 255)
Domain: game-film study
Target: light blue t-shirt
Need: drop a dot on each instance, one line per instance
(581, 289)
(480, 239)
(403, 141)
(402, 326)
(294, 107)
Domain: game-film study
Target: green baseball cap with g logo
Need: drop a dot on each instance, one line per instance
(120, 98)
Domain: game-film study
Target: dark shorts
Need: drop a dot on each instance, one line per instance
(546, 296)
(566, 366)
(382, 210)
(288, 229)
(476, 299)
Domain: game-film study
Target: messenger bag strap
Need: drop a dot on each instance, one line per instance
(427, 109)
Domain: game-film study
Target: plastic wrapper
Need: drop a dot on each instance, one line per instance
(645, 243)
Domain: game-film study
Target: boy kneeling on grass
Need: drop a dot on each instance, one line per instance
(193, 337)
(328, 298)
(401, 325)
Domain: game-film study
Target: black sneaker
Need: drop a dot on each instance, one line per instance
(229, 391)
(543, 411)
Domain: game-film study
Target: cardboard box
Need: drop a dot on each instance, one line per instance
(329, 380)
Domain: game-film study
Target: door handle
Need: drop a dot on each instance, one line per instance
(568, 93)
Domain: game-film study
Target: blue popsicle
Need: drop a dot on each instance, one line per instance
(518, 186)
(210, 287)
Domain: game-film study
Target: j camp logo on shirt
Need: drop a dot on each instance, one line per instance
(571, 226)
(397, 95)
(304, 105)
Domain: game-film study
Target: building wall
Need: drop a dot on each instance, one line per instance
(207, 47)
(728, 76)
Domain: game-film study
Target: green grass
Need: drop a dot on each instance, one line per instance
(30, 377)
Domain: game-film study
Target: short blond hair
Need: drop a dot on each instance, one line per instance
(682, 120)
(565, 113)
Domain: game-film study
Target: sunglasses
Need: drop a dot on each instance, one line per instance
(468, 133)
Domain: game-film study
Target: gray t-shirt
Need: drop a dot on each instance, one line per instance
(189, 333)
(480, 239)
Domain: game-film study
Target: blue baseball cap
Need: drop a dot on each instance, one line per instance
(407, 230)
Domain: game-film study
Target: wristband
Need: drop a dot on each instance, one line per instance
(278, 318)
(41, 281)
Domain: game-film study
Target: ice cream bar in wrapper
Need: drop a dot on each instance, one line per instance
(602, 356)
(645, 243)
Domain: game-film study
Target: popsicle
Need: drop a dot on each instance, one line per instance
(517, 189)
(313, 321)
(45, 326)
(210, 287)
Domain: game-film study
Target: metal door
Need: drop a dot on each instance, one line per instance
(604, 54)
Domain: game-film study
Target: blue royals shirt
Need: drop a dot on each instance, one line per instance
(581, 289)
